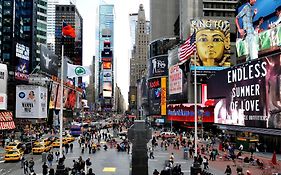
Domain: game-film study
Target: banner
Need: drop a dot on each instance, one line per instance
(71, 99)
(31, 101)
(185, 113)
(163, 95)
(48, 61)
(3, 87)
(212, 43)
(107, 89)
(53, 96)
(23, 57)
(77, 71)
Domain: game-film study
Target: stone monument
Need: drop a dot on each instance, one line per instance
(139, 135)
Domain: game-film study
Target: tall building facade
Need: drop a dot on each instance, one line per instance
(41, 29)
(51, 23)
(139, 53)
(104, 58)
(72, 46)
(163, 14)
(1, 27)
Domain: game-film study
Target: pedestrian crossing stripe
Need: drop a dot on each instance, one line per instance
(109, 169)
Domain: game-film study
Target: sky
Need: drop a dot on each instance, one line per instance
(88, 11)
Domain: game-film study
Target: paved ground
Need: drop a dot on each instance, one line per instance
(119, 162)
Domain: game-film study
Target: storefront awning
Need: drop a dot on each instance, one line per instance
(265, 131)
(6, 120)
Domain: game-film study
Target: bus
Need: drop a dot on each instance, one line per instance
(75, 130)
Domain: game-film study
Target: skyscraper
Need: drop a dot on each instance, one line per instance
(138, 58)
(163, 14)
(51, 24)
(72, 46)
(139, 53)
(104, 57)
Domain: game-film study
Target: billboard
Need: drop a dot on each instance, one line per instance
(22, 68)
(175, 80)
(107, 76)
(212, 43)
(107, 89)
(48, 61)
(158, 66)
(185, 113)
(154, 96)
(31, 101)
(53, 95)
(106, 65)
(3, 87)
(250, 93)
(71, 99)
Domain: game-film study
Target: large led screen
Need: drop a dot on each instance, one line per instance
(250, 93)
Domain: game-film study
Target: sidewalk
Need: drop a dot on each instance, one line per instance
(2, 153)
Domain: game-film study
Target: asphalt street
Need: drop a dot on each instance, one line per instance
(108, 162)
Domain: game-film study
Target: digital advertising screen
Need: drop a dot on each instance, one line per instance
(249, 94)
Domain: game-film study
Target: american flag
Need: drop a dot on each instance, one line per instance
(187, 48)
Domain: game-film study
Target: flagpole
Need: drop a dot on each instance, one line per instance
(61, 97)
(195, 105)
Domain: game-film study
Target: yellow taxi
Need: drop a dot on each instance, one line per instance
(13, 145)
(14, 154)
(69, 138)
(41, 147)
(56, 143)
(46, 141)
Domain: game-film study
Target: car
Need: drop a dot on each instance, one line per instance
(168, 134)
(14, 155)
(69, 138)
(40, 148)
(13, 145)
(56, 143)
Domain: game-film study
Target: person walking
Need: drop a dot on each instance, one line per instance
(228, 170)
(50, 158)
(51, 171)
(66, 147)
(71, 147)
(155, 172)
(150, 150)
(45, 168)
(22, 161)
(88, 164)
(205, 163)
(90, 172)
(25, 167)
(31, 164)
(57, 155)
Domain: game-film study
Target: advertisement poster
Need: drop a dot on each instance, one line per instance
(22, 54)
(185, 113)
(53, 95)
(106, 65)
(107, 89)
(212, 43)
(175, 80)
(6, 120)
(250, 94)
(3, 87)
(48, 61)
(158, 66)
(107, 75)
(71, 99)
(154, 96)
(31, 101)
